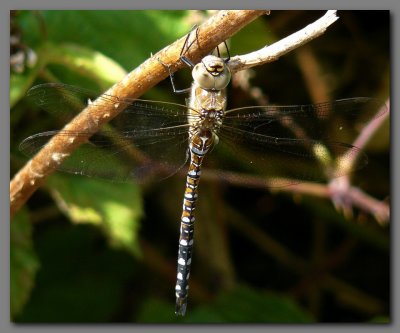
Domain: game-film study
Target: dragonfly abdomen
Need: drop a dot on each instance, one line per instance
(199, 146)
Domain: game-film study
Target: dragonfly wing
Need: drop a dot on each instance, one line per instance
(292, 144)
(326, 120)
(65, 101)
(120, 156)
(287, 161)
(147, 138)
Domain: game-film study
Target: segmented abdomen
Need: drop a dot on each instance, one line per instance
(198, 148)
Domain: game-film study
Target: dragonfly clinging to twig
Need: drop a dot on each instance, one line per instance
(156, 139)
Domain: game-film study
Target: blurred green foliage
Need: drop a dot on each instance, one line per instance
(240, 305)
(91, 238)
(24, 262)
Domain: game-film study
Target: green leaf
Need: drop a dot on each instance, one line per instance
(241, 305)
(252, 37)
(115, 208)
(127, 36)
(86, 62)
(81, 280)
(24, 263)
(97, 45)
(245, 305)
(380, 320)
(19, 84)
(157, 311)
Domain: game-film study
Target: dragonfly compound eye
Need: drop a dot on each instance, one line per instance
(211, 74)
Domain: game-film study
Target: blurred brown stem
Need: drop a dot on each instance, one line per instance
(379, 209)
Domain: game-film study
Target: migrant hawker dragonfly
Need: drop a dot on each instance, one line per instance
(150, 139)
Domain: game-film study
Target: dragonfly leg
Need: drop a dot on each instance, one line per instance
(227, 51)
(185, 48)
(171, 76)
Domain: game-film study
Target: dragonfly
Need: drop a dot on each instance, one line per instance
(153, 140)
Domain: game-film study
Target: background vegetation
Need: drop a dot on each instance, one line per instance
(90, 251)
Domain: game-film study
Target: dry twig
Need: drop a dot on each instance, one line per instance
(272, 52)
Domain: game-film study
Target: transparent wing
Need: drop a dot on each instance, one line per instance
(147, 139)
(66, 101)
(311, 119)
(291, 144)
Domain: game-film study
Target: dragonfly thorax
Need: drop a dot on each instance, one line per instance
(210, 120)
(211, 73)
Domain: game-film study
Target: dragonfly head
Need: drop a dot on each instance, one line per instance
(211, 73)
